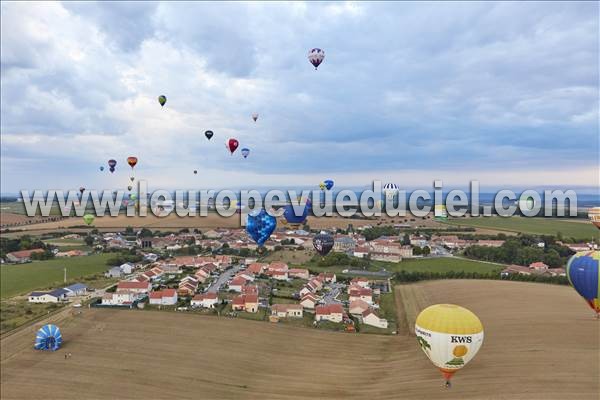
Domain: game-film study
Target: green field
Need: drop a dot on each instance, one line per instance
(23, 278)
(441, 264)
(537, 226)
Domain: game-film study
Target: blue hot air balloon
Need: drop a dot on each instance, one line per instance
(583, 271)
(245, 152)
(328, 184)
(101, 168)
(48, 338)
(260, 226)
(291, 217)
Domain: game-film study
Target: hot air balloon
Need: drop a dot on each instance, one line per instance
(323, 243)
(594, 216)
(291, 217)
(255, 116)
(81, 190)
(112, 164)
(232, 144)
(195, 172)
(129, 188)
(245, 152)
(390, 190)
(328, 184)
(162, 99)
(101, 168)
(132, 196)
(322, 186)
(440, 213)
(583, 271)
(88, 219)
(450, 336)
(132, 178)
(208, 134)
(260, 225)
(48, 338)
(316, 56)
(132, 161)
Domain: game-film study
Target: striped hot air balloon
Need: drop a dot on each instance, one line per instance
(450, 336)
(583, 271)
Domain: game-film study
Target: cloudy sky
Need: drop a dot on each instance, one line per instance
(506, 93)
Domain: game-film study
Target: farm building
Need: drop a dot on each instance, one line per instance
(48, 297)
(76, 289)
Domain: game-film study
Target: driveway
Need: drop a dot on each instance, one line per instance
(223, 278)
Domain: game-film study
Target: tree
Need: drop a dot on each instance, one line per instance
(146, 233)
(129, 231)
(426, 250)
(406, 239)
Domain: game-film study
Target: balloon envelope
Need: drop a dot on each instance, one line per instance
(583, 272)
(328, 184)
(208, 134)
(112, 163)
(316, 56)
(88, 219)
(132, 161)
(101, 168)
(323, 243)
(245, 152)
(449, 335)
(48, 338)
(255, 116)
(291, 217)
(162, 100)
(232, 144)
(260, 226)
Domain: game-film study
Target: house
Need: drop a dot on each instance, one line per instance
(22, 256)
(300, 273)
(114, 272)
(250, 289)
(418, 240)
(237, 283)
(360, 251)
(135, 287)
(515, 269)
(279, 275)
(205, 300)
(186, 288)
(171, 268)
(358, 307)
(361, 293)
(343, 244)
(76, 289)
(360, 281)
(165, 297)
(119, 298)
(53, 296)
(329, 312)
(538, 266)
(245, 302)
(246, 275)
(305, 290)
(370, 318)
(127, 268)
(257, 268)
(287, 310)
(309, 301)
(328, 277)
(277, 266)
(490, 243)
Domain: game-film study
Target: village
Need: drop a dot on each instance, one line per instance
(225, 275)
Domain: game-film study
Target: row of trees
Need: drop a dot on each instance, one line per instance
(523, 250)
(406, 276)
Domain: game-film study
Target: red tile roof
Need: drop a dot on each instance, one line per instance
(132, 285)
(329, 309)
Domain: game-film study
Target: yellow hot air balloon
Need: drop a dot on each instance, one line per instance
(450, 336)
(594, 216)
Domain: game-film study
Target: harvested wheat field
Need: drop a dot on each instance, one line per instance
(540, 343)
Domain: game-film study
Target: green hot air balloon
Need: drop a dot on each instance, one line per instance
(162, 99)
(88, 219)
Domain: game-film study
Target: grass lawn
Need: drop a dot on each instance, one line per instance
(287, 289)
(441, 264)
(537, 226)
(18, 312)
(23, 278)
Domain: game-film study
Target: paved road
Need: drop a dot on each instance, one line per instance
(329, 297)
(223, 278)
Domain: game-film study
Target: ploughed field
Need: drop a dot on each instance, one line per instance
(540, 343)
